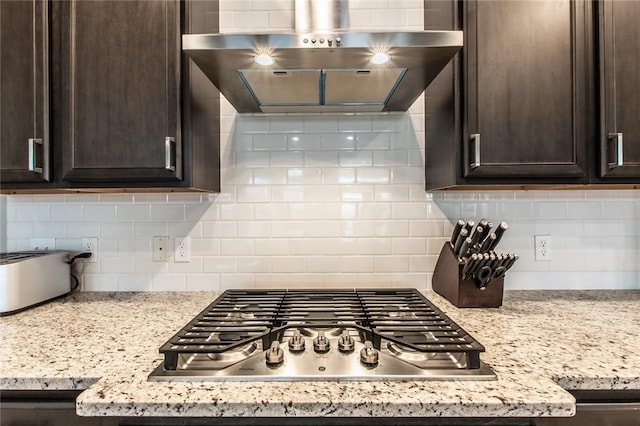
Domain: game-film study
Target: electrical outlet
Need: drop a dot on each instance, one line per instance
(182, 252)
(91, 245)
(43, 243)
(543, 247)
(160, 249)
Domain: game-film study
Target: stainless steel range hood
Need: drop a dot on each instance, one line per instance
(320, 67)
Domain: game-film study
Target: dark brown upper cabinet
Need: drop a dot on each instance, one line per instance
(24, 88)
(619, 62)
(513, 108)
(128, 111)
(120, 70)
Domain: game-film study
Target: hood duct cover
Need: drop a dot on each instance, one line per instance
(322, 70)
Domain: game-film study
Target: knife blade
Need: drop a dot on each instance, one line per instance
(456, 230)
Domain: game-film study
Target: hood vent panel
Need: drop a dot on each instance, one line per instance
(283, 87)
(295, 88)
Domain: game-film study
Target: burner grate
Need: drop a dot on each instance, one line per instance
(402, 316)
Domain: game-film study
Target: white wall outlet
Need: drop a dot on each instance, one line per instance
(91, 245)
(160, 249)
(182, 252)
(43, 243)
(543, 247)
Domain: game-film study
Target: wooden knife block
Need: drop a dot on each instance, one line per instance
(463, 293)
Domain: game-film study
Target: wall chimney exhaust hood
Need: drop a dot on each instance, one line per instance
(321, 67)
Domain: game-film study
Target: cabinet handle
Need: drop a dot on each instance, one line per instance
(170, 153)
(617, 138)
(33, 166)
(475, 140)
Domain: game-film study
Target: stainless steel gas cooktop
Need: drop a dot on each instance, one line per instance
(301, 335)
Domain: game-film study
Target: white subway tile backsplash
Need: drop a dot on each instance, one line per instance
(82, 230)
(414, 246)
(585, 210)
(339, 141)
(237, 247)
(195, 266)
(99, 282)
(375, 211)
(219, 264)
(288, 193)
(117, 264)
(19, 231)
(138, 282)
(269, 176)
(321, 229)
(619, 209)
(148, 230)
(392, 264)
(287, 159)
(168, 282)
(357, 264)
(99, 213)
(303, 176)
(372, 175)
(355, 158)
(304, 142)
(202, 282)
(31, 213)
(166, 212)
(144, 265)
(395, 228)
(338, 175)
(50, 230)
(133, 213)
(65, 213)
(272, 247)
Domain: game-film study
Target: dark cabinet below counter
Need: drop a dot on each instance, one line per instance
(128, 111)
(518, 106)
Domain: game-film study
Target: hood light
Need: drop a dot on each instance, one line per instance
(263, 59)
(380, 58)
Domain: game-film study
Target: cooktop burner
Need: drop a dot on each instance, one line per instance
(289, 335)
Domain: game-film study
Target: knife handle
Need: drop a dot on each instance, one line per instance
(458, 244)
(464, 248)
(489, 243)
(467, 266)
(469, 227)
(500, 230)
(456, 230)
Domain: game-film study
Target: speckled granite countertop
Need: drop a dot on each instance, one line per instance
(538, 343)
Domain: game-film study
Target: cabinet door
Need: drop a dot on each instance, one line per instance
(525, 87)
(619, 89)
(24, 87)
(120, 70)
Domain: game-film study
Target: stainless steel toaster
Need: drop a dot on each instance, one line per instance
(31, 278)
